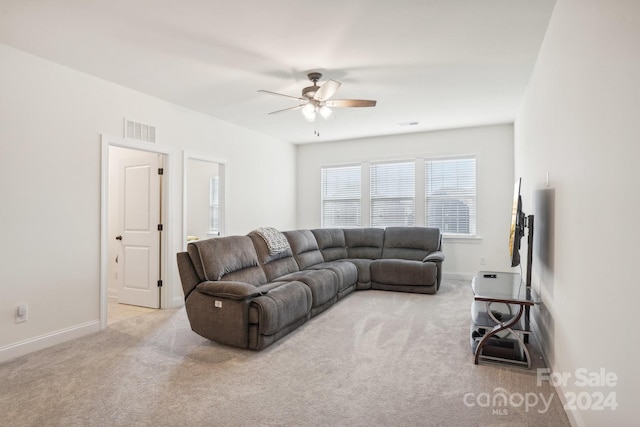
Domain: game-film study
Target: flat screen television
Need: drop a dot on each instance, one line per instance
(517, 225)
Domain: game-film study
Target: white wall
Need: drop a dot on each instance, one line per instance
(51, 122)
(493, 146)
(579, 122)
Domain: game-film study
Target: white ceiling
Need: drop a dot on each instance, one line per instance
(441, 63)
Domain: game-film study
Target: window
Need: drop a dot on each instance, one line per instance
(341, 196)
(398, 194)
(393, 194)
(204, 193)
(450, 195)
(214, 205)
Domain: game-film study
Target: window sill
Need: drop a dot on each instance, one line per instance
(462, 239)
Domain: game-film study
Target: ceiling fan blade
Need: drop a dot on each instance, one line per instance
(297, 107)
(348, 103)
(281, 94)
(327, 90)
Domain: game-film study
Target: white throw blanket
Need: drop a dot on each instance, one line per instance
(275, 240)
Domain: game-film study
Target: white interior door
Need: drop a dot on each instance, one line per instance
(139, 217)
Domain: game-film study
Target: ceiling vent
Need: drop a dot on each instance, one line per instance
(139, 131)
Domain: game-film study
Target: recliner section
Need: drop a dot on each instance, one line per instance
(240, 294)
(323, 284)
(309, 257)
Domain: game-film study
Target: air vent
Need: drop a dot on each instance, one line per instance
(139, 131)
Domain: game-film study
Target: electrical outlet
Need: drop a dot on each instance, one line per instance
(483, 260)
(22, 313)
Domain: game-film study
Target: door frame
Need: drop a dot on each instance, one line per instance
(168, 195)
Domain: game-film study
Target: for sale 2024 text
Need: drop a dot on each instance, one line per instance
(596, 392)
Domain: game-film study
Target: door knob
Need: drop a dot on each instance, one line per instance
(118, 237)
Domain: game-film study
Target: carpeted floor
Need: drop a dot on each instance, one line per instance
(376, 358)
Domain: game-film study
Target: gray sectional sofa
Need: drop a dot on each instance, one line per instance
(242, 292)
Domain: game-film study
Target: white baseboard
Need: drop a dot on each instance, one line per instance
(574, 417)
(21, 348)
(177, 302)
(457, 276)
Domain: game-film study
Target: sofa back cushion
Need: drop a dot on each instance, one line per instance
(275, 265)
(226, 258)
(410, 243)
(365, 243)
(331, 243)
(304, 248)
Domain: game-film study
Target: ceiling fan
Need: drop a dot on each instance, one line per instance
(315, 99)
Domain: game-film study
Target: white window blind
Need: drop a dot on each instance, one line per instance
(393, 194)
(341, 196)
(450, 195)
(214, 205)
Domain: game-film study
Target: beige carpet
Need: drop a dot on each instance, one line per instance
(376, 358)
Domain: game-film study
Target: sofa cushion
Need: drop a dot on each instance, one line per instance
(363, 265)
(331, 243)
(281, 306)
(364, 242)
(346, 272)
(410, 243)
(322, 283)
(304, 248)
(402, 272)
(231, 258)
(275, 265)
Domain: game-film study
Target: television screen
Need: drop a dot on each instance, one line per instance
(516, 226)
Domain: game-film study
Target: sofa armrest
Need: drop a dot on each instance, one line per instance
(437, 256)
(232, 290)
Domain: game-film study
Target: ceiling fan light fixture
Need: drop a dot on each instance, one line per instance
(325, 112)
(309, 112)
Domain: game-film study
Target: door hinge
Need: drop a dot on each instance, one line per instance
(159, 283)
(159, 227)
(160, 171)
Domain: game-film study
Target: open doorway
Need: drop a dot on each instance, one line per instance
(133, 267)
